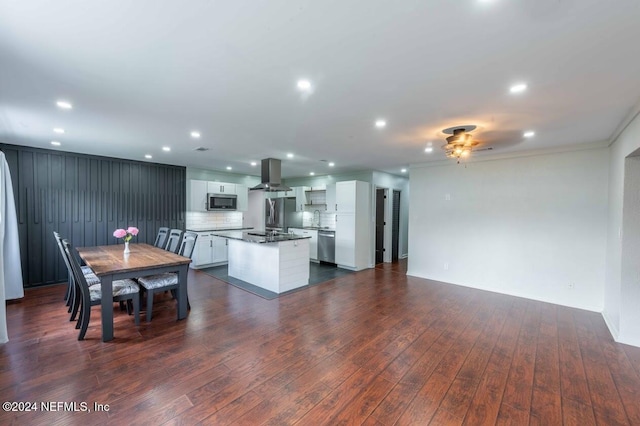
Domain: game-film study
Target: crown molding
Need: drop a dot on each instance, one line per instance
(517, 154)
(633, 113)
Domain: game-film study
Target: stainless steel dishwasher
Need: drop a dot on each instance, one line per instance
(326, 246)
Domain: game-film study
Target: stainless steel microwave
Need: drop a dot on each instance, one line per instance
(222, 202)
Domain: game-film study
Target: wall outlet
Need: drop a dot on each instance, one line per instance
(446, 266)
(447, 197)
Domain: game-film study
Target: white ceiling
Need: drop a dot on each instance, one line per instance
(142, 74)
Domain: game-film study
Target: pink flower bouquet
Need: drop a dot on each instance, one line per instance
(126, 234)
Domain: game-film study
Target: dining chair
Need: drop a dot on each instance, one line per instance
(161, 238)
(123, 290)
(168, 281)
(72, 298)
(91, 278)
(173, 242)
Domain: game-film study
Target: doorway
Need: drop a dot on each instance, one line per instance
(395, 226)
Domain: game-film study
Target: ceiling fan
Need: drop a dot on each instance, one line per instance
(460, 143)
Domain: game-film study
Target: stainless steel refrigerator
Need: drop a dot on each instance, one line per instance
(281, 214)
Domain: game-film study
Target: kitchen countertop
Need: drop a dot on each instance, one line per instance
(318, 228)
(247, 237)
(208, 228)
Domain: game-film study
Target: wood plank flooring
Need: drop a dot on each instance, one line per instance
(374, 347)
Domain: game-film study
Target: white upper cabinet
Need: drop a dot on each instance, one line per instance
(198, 198)
(221, 188)
(330, 197)
(200, 189)
(346, 196)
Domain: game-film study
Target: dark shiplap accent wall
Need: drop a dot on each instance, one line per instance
(85, 198)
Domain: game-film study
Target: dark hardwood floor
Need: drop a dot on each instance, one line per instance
(374, 347)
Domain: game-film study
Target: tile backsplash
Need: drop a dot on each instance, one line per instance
(315, 213)
(310, 218)
(214, 219)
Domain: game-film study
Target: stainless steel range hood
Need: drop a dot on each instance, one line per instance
(271, 181)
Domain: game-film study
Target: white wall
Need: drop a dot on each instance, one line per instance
(255, 215)
(620, 298)
(527, 226)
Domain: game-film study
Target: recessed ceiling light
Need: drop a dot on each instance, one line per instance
(253, 163)
(289, 155)
(64, 104)
(304, 85)
(381, 124)
(55, 143)
(229, 167)
(518, 88)
(529, 134)
(404, 170)
(166, 148)
(312, 173)
(58, 130)
(148, 156)
(195, 135)
(428, 149)
(331, 164)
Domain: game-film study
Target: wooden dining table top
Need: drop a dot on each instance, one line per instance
(111, 259)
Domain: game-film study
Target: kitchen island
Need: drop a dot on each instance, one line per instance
(277, 263)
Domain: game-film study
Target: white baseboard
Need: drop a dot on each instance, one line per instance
(615, 333)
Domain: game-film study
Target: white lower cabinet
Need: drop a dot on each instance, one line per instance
(220, 253)
(209, 250)
(346, 240)
(313, 241)
(353, 241)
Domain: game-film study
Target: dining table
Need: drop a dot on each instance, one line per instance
(110, 263)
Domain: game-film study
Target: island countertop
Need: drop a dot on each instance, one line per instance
(209, 228)
(257, 236)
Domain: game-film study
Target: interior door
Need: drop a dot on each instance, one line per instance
(380, 197)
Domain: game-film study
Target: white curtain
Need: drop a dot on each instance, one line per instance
(10, 266)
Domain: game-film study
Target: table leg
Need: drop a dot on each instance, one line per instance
(107, 307)
(182, 291)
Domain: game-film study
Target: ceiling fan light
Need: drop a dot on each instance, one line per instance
(459, 144)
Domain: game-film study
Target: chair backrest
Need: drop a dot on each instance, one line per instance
(161, 238)
(78, 276)
(64, 255)
(188, 244)
(173, 242)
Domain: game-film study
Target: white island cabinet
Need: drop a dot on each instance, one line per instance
(277, 265)
(313, 241)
